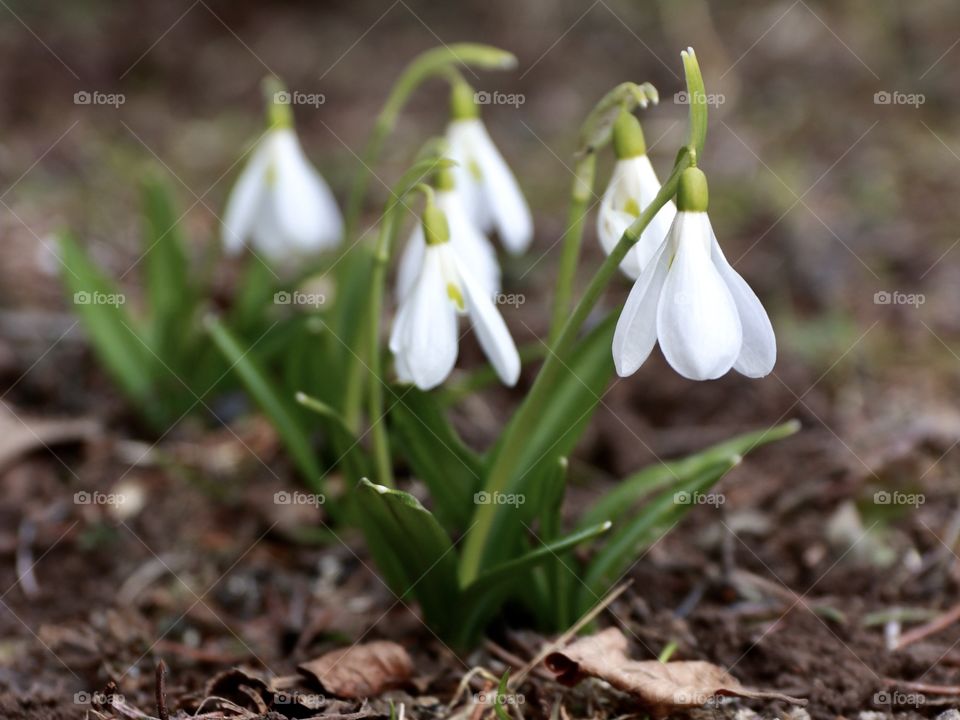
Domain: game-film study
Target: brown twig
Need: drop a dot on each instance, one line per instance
(923, 687)
(939, 623)
(568, 635)
(161, 688)
(514, 660)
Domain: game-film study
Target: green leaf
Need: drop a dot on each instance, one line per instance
(620, 500)
(502, 714)
(623, 547)
(349, 450)
(412, 550)
(280, 411)
(575, 393)
(514, 569)
(435, 452)
(170, 297)
(484, 597)
(109, 326)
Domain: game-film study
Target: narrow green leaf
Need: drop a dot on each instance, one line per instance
(515, 569)
(436, 454)
(615, 557)
(170, 297)
(412, 550)
(565, 413)
(349, 449)
(621, 499)
(107, 324)
(501, 712)
(270, 401)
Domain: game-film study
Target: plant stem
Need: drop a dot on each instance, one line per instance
(436, 61)
(580, 195)
(378, 431)
(502, 470)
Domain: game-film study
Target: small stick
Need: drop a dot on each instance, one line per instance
(923, 687)
(161, 686)
(934, 626)
(568, 635)
(514, 660)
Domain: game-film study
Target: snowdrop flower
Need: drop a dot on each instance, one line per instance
(471, 245)
(489, 190)
(280, 203)
(425, 336)
(706, 318)
(632, 187)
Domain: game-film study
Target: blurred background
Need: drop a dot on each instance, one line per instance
(833, 155)
(822, 194)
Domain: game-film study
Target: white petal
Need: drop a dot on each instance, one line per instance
(490, 328)
(471, 245)
(410, 262)
(697, 321)
(636, 332)
(304, 208)
(633, 184)
(759, 351)
(246, 200)
(424, 336)
(467, 173)
(501, 194)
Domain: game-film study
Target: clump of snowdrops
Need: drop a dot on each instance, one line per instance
(360, 383)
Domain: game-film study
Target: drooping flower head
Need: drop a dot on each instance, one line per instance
(691, 300)
(280, 203)
(467, 241)
(489, 190)
(633, 185)
(425, 335)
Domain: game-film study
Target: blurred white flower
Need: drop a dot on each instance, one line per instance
(425, 335)
(280, 203)
(470, 245)
(633, 186)
(490, 192)
(705, 316)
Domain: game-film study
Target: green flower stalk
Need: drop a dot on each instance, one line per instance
(595, 134)
(432, 63)
(478, 550)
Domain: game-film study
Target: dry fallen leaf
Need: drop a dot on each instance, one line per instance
(361, 670)
(661, 686)
(20, 435)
